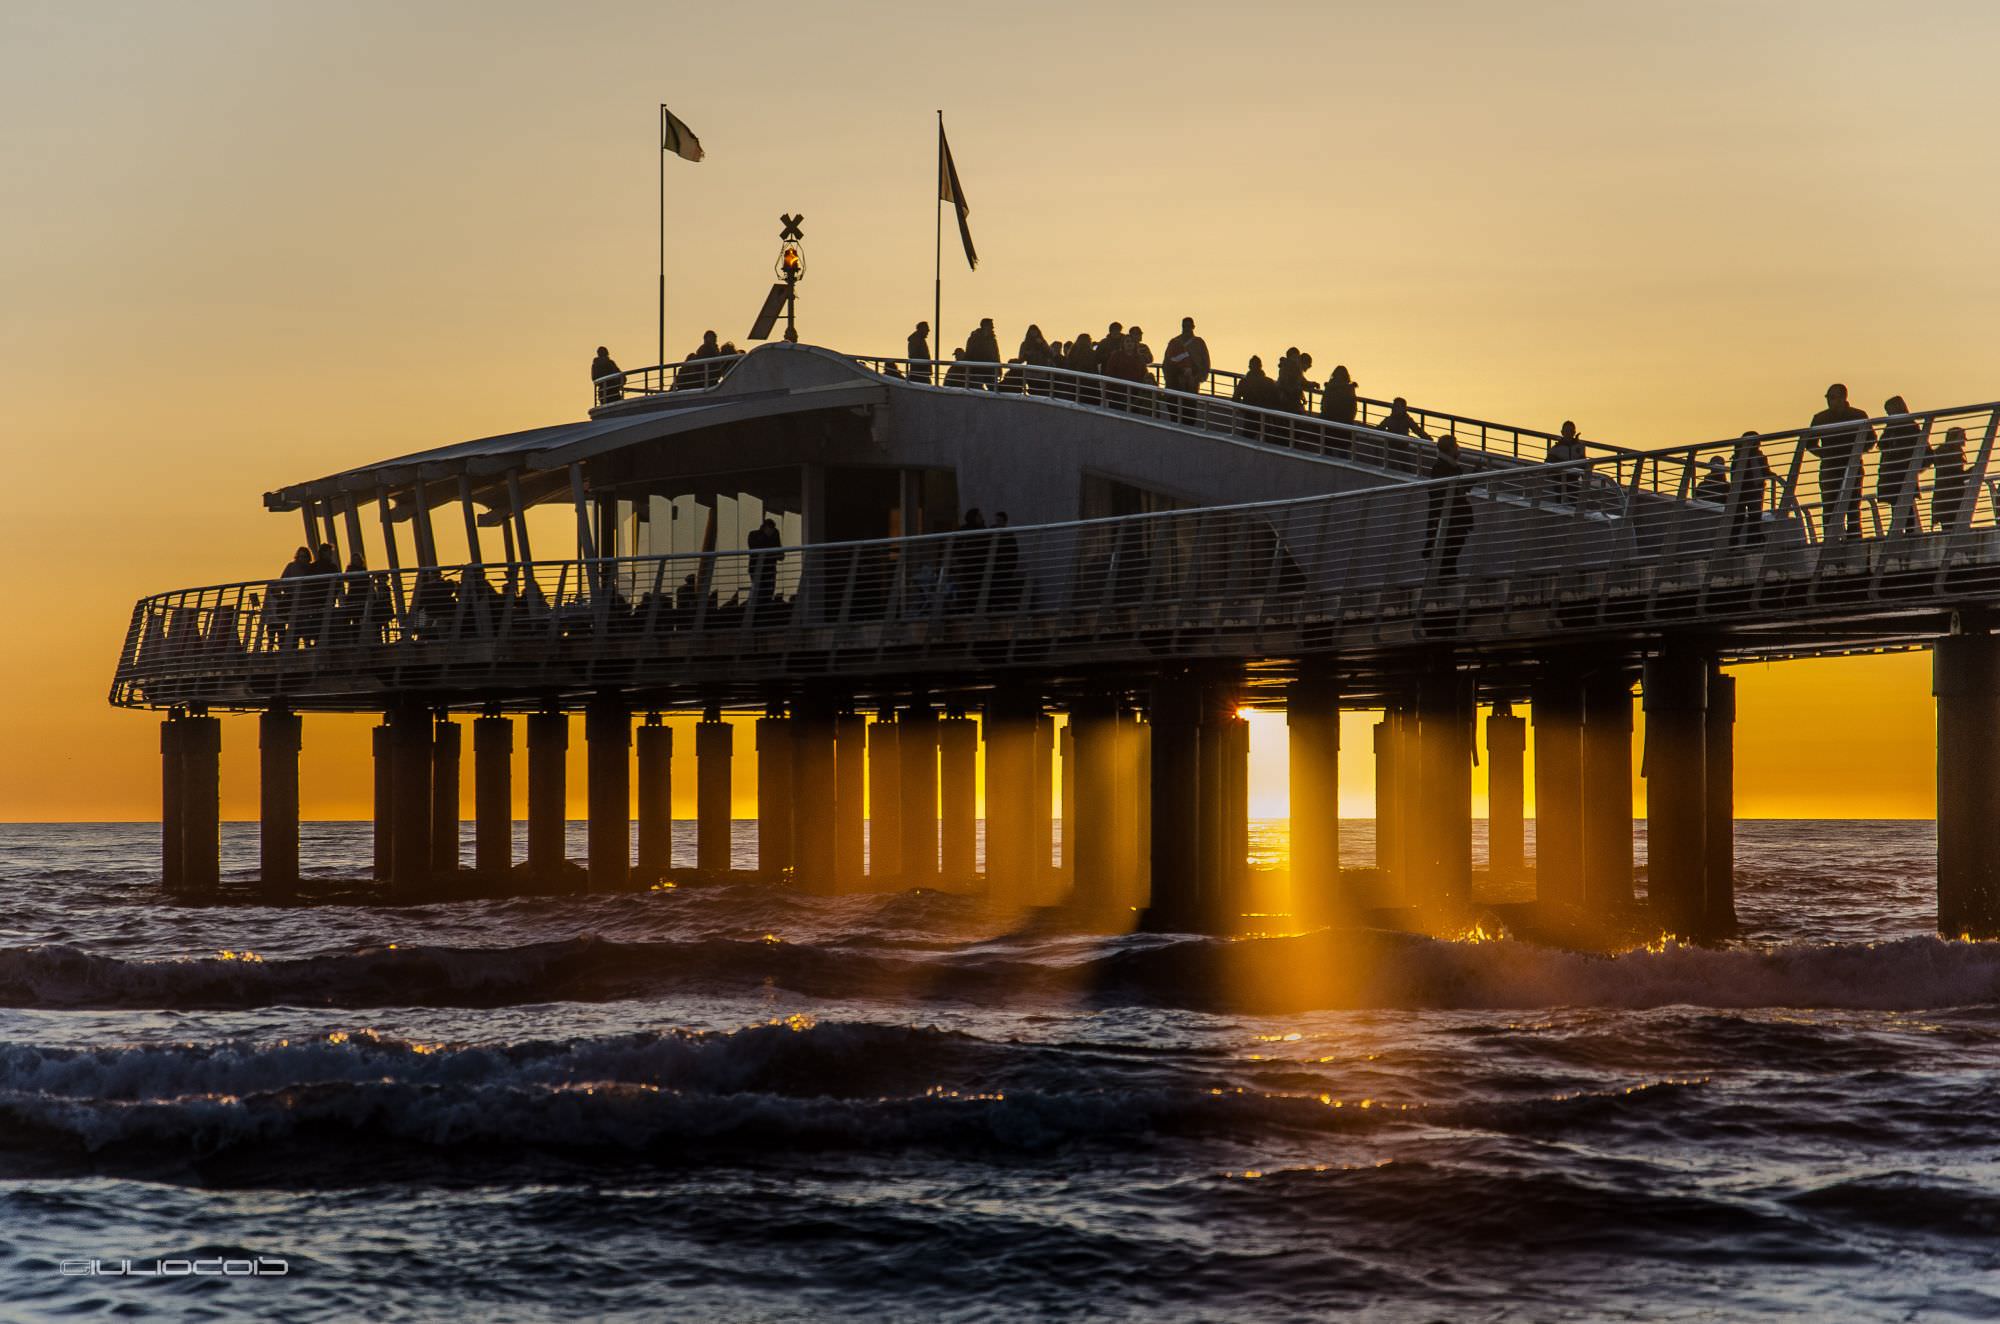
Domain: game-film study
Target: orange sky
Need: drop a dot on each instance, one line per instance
(251, 243)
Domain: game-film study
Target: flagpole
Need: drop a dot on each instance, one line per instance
(937, 269)
(663, 235)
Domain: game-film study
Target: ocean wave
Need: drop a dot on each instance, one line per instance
(1328, 970)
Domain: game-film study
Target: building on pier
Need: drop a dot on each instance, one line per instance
(1170, 558)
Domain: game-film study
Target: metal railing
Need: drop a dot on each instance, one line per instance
(1211, 408)
(1642, 540)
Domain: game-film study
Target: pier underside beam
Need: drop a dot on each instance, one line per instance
(445, 751)
(850, 797)
(1506, 827)
(774, 793)
(1965, 677)
(714, 752)
(1607, 791)
(885, 798)
(1312, 720)
(1557, 714)
(1676, 704)
(548, 793)
(278, 733)
(607, 734)
(654, 747)
(958, 797)
(492, 795)
(815, 798)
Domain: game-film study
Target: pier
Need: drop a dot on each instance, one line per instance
(1172, 559)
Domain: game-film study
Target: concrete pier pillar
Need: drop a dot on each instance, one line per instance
(654, 743)
(1965, 678)
(1506, 828)
(1041, 878)
(445, 751)
(774, 793)
(1094, 760)
(548, 794)
(958, 798)
(1182, 891)
(1312, 728)
(410, 744)
(173, 793)
(1606, 750)
(1439, 850)
(714, 750)
(1720, 884)
(278, 734)
(1009, 730)
(384, 750)
(1066, 769)
(492, 795)
(201, 803)
(815, 799)
(1557, 714)
(917, 755)
(1222, 808)
(1137, 764)
(885, 799)
(607, 735)
(1388, 796)
(1676, 704)
(850, 795)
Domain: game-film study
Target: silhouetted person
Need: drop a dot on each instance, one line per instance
(1291, 382)
(1341, 400)
(1714, 484)
(1398, 421)
(1750, 476)
(281, 599)
(610, 382)
(1951, 481)
(1902, 447)
(1035, 350)
(1450, 509)
(1569, 446)
(1005, 594)
(959, 374)
(1840, 437)
(1256, 389)
(921, 369)
(1186, 366)
(764, 541)
(982, 347)
(696, 371)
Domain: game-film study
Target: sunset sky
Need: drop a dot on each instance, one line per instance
(245, 244)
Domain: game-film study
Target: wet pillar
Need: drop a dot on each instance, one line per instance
(1557, 713)
(714, 748)
(1965, 678)
(1009, 729)
(1719, 886)
(548, 794)
(1066, 761)
(278, 734)
(1606, 752)
(492, 795)
(1040, 878)
(1312, 730)
(1506, 827)
(201, 803)
(1676, 704)
(445, 748)
(655, 748)
(917, 755)
(385, 800)
(1094, 758)
(410, 745)
(1388, 796)
(885, 799)
(1439, 850)
(816, 792)
(607, 736)
(173, 793)
(1184, 898)
(1137, 766)
(1222, 807)
(850, 792)
(958, 797)
(774, 793)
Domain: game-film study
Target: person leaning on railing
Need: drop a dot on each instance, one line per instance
(1902, 448)
(1840, 436)
(609, 380)
(1750, 477)
(1951, 481)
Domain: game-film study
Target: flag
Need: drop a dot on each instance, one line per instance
(949, 191)
(677, 137)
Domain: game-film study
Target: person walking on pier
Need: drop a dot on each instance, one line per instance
(1340, 402)
(983, 347)
(1951, 481)
(604, 374)
(1450, 521)
(921, 367)
(1186, 366)
(1750, 476)
(1902, 449)
(1839, 436)
(1291, 382)
(1567, 447)
(1399, 422)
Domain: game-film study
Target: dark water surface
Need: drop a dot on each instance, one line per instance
(732, 1102)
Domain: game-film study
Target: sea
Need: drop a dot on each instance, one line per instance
(736, 1101)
